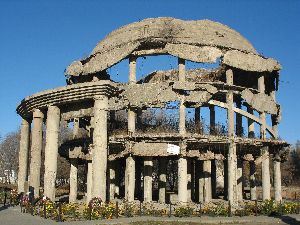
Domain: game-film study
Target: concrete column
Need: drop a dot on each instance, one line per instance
(200, 180)
(89, 182)
(132, 80)
(181, 77)
(36, 151)
(229, 101)
(148, 169)
(138, 173)
(182, 129)
(182, 180)
(181, 69)
(239, 180)
(99, 155)
(162, 179)
(277, 178)
(75, 127)
(23, 155)
(117, 178)
(132, 69)
(112, 180)
(239, 119)
(73, 180)
(189, 180)
(231, 157)
(265, 169)
(130, 179)
(207, 195)
(212, 117)
(214, 178)
(51, 151)
(252, 180)
(251, 128)
(198, 120)
(225, 170)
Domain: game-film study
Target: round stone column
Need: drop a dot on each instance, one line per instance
(51, 151)
(252, 180)
(207, 195)
(130, 179)
(99, 154)
(162, 180)
(23, 155)
(182, 180)
(148, 169)
(265, 169)
(89, 181)
(277, 178)
(36, 152)
(73, 180)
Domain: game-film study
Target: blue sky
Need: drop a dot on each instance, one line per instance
(38, 40)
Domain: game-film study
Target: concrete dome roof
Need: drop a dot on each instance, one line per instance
(206, 39)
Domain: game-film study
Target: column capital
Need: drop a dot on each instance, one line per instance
(37, 113)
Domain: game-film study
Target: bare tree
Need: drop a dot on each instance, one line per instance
(9, 149)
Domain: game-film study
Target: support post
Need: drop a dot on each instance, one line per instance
(231, 157)
(89, 184)
(148, 169)
(198, 120)
(207, 180)
(162, 180)
(130, 179)
(182, 180)
(253, 180)
(112, 180)
(36, 152)
(212, 113)
(73, 180)
(23, 155)
(277, 178)
(240, 180)
(251, 128)
(51, 151)
(214, 178)
(99, 155)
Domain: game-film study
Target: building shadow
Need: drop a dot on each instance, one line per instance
(3, 207)
(288, 220)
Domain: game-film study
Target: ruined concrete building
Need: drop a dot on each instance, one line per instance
(243, 85)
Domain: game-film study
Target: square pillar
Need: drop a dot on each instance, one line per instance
(148, 169)
(36, 152)
(99, 154)
(51, 151)
(23, 155)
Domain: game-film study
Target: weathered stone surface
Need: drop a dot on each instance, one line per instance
(260, 102)
(250, 62)
(160, 31)
(204, 54)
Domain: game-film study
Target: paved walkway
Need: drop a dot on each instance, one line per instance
(13, 216)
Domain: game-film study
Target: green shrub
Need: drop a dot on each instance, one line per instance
(183, 212)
